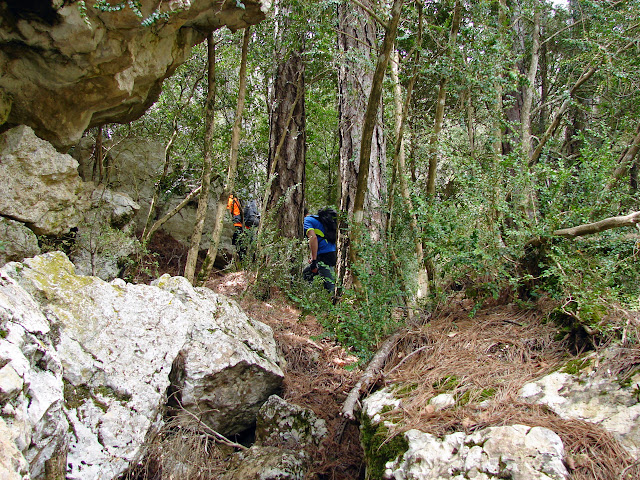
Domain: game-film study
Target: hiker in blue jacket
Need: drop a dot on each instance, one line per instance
(322, 244)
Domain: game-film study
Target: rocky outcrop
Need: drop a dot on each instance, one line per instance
(44, 196)
(105, 239)
(40, 187)
(67, 66)
(520, 452)
(594, 395)
(284, 432)
(16, 241)
(135, 167)
(89, 364)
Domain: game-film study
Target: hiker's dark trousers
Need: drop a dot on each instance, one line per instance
(326, 263)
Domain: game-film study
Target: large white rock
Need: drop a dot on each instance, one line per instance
(596, 398)
(109, 348)
(40, 186)
(32, 401)
(519, 452)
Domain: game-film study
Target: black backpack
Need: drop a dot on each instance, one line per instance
(329, 219)
(251, 214)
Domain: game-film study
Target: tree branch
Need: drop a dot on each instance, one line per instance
(597, 227)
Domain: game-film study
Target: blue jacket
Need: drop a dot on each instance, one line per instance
(311, 222)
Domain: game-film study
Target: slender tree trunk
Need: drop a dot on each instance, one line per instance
(530, 201)
(167, 162)
(529, 90)
(100, 155)
(356, 43)
(212, 253)
(625, 161)
(400, 168)
(146, 233)
(440, 104)
(203, 201)
(370, 121)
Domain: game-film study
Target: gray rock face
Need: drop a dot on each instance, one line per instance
(519, 452)
(100, 355)
(16, 241)
(65, 70)
(286, 425)
(40, 186)
(136, 166)
(595, 397)
(105, 238)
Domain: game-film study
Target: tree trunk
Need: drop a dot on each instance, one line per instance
(400, 168)
(212, 253)
(530, 87)
(147, 232)
(287, 149)
(203, 200)
(370, 121)
(356, 42)
(440, 104)
(626, 160)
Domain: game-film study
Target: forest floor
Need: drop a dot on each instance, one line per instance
(489, 355)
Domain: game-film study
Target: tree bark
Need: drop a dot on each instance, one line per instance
(527, 98)
(399, 160)
(369, 376)
(607, 224)
(203, 201)
(370, 121)
(287, 149)
(356, 42)
(212, 253)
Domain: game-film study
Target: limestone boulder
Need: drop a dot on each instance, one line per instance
(519, 452)
(16, 241)
(267, 463)
(289, 426)
(40, 186)
(105, 356)
(13, 465)
(70, 65)
(105, 239)
(31, 399)
(595, 396)
(284, 431)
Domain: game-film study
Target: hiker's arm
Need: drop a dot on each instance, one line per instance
(313, 243)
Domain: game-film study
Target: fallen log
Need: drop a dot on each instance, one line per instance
(370, 375)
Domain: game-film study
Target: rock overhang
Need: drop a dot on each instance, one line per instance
(64, 68)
